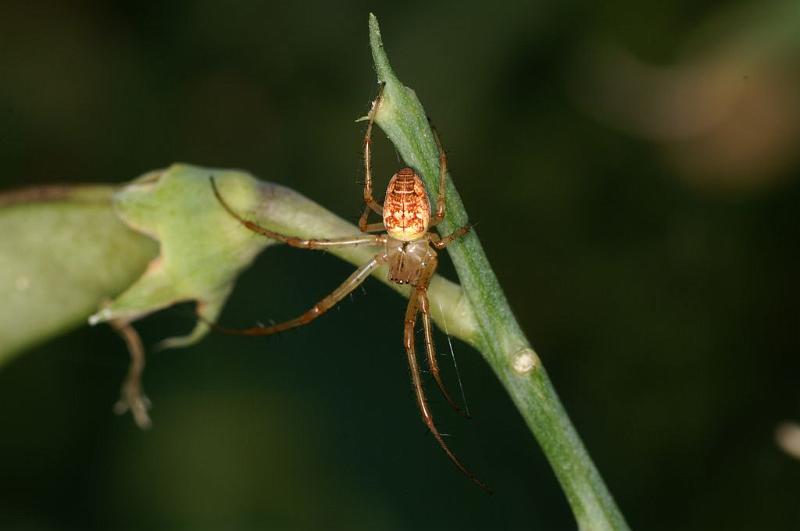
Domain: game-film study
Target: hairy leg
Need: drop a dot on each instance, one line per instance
(430, 349)
(294, 241)
(352, 282)
(368, 198)
(365, 226)
(440, 206)
(419, 392)
(440, 242)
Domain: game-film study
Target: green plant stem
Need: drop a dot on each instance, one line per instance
(500, 338)
(201, 264)
(71, 250)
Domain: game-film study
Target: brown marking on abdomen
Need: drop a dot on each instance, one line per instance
(406, 209)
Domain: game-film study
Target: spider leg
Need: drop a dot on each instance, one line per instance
(419, 392)
(430, 349)
(442, 175)
(368, 198)
(352, 282)
(366, 239)
(440, 242)
(374, 227)
(131, 395)
(364, 226)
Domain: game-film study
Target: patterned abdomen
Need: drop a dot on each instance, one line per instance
(406, 209)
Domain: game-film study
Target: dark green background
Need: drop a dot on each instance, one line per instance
(667, 313)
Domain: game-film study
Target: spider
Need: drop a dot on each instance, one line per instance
(408, 248)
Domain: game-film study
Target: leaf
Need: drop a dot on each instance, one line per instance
(202, 248)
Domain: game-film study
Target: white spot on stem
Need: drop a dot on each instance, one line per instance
(525, 361)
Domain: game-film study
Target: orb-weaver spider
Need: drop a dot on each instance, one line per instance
(408, 249)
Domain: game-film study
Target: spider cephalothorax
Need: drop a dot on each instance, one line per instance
(408, 248)
(408, 261)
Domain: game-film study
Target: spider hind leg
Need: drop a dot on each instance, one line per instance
(419, 391)
(430, 350)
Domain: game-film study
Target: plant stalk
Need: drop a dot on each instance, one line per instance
(500, 338)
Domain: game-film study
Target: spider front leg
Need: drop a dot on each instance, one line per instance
(292, 240)
(352, 282)
(369, 200)
(419, 391)
(440, 206)
(440, 242)
(363, 226)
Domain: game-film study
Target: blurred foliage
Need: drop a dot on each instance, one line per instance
(666, 313)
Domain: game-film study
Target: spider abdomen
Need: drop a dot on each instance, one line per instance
(406, 209)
